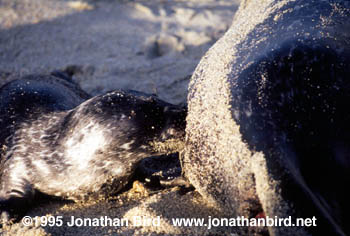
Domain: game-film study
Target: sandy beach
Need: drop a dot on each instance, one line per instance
(152, 46)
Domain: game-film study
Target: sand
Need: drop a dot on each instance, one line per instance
(151, 46)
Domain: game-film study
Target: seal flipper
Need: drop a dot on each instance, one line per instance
(15, 198)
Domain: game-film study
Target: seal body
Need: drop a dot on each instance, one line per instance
(268, 120)
(60, 144)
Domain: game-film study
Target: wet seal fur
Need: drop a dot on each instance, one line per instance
(268, 121)
(57, 141)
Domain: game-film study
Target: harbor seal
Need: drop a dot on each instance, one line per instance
(57, 141)
(268, 116)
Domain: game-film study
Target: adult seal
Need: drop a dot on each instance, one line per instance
(268, 121)
(58, 141)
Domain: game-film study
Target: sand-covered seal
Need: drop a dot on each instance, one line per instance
(58, 142)
(269, 121)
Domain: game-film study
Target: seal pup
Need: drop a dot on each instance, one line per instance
(56, 143)
(268, 121)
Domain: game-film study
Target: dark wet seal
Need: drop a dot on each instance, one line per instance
(58, 141)
(268, 121)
